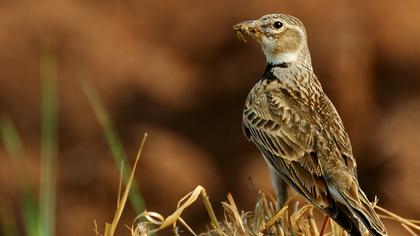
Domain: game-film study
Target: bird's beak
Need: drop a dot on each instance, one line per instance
(249, 27)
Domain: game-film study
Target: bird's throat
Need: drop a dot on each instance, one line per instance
(280, 58)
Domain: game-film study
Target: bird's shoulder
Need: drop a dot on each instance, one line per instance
(284, 98)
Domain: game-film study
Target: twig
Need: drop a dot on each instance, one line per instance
(399, 218)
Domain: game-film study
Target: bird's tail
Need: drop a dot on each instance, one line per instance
(342, 216)
(367, 215)
(355, 213)
(364, 216)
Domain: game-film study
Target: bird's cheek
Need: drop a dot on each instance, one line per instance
(268, 43)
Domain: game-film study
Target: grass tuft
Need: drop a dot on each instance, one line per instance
(293, 219)
(114, 144)
(122, 199)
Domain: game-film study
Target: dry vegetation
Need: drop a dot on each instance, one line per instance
(293, 219)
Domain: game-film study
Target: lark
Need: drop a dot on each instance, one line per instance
(299, 132)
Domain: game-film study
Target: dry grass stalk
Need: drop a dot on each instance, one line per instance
(148, 219)
(293, 220)
(122, 199)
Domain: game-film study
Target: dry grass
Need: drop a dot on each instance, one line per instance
(293, 219)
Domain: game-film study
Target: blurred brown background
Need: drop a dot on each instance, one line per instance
(175, 69)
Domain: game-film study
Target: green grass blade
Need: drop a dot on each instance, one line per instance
(11, 139)
(7, 223)
(115, 145)
(14, 150)
(49, 140)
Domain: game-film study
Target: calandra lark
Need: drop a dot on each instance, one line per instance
(298, 130)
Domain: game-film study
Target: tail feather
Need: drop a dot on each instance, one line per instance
(368, 216)
(342, 216)
(357, 212)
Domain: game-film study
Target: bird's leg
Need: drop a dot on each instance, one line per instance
(280, 188)
(324, 226)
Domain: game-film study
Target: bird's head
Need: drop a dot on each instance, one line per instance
(282, 37)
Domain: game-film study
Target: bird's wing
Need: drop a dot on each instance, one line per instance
(286, 138)
(298, 167)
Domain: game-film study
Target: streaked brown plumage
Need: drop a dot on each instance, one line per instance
(298, 130)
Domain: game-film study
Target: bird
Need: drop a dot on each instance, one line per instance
(298, 131)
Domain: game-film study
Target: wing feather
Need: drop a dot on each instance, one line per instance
(287, 140)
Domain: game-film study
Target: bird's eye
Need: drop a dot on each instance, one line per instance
(278, 24)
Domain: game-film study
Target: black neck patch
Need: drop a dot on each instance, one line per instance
(268, 74)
